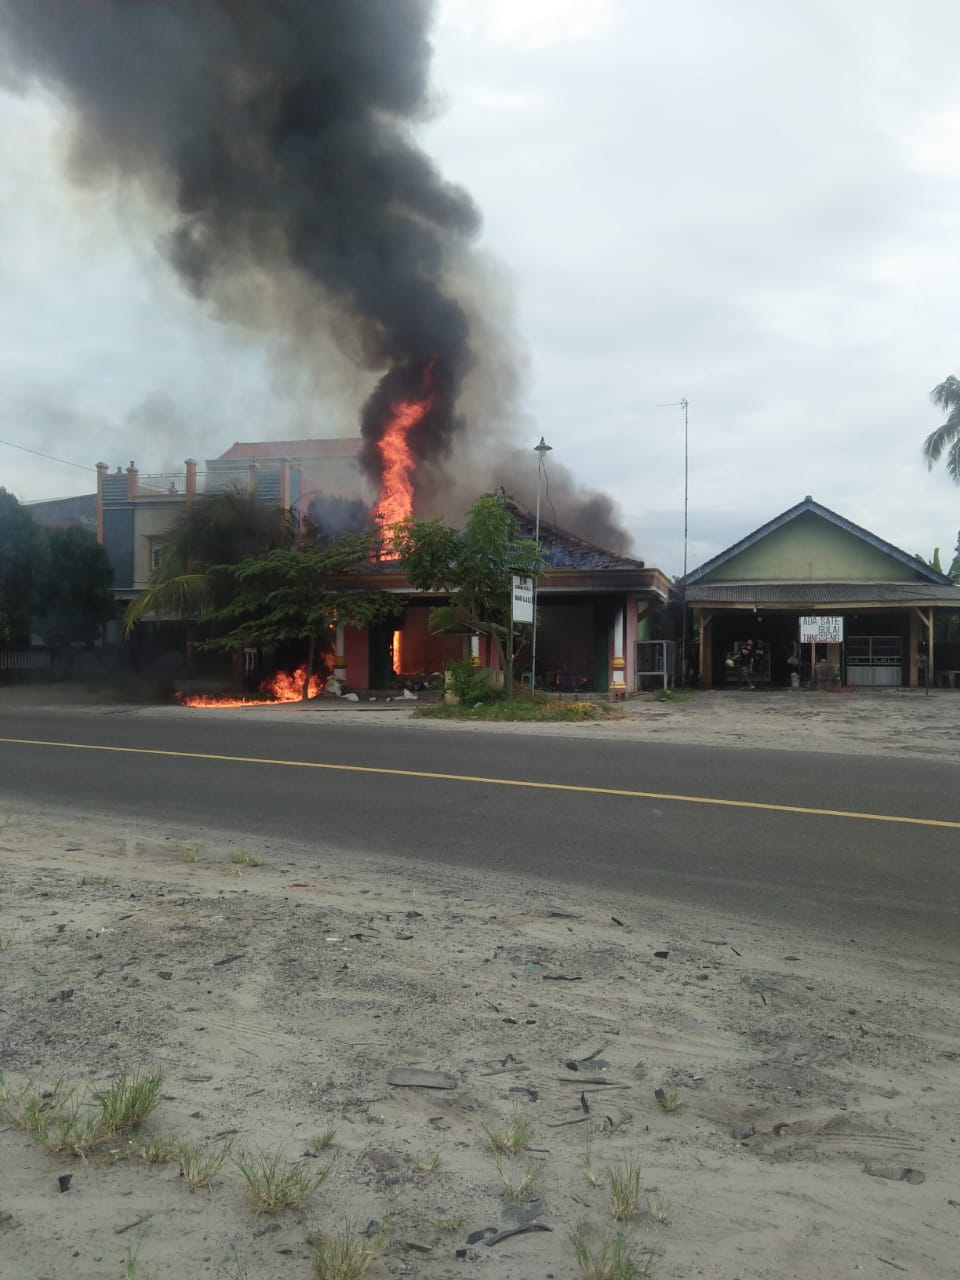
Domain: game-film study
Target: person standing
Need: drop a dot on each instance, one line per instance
(745, 661)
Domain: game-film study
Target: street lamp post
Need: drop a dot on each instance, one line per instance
(541, 450)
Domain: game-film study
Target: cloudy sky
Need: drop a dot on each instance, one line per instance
(752, 204)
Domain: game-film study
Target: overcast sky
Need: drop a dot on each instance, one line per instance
(749, 203)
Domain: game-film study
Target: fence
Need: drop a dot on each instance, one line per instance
(24, 659)
(164, 484)
(656, 661)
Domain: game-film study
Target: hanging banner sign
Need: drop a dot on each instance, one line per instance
(522, 599)
(821, 630)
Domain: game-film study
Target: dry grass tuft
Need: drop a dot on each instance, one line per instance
(512, 1139)
(611, 1261)
(158, 1148)
(65, 1120)
(127, 1103)
(276, 1182)
(241, 858)
(623, 1181)
(200, 1164)
(592, 1175)
(447, 1226)
(521, 1189)
(344, 1255)
(322, 1141)
(668, 1102)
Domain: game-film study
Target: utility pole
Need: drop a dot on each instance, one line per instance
(684, 405)
(541, 450)
(686, 508)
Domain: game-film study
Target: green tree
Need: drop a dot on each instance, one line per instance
(946, 439)
(214, 530)
(934, 563)
(297, 594)
(473, 566)
(24, 569)
(77, 600)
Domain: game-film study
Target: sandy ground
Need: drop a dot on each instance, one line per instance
(277, 999)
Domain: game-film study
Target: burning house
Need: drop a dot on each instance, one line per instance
(595, 604)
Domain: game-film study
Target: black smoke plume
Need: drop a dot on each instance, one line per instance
(590, 515)
(278, 131)
(329, 516)
(278, 135)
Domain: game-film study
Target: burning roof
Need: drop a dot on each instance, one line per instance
(564, 550)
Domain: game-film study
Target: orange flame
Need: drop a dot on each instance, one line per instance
(395, 501)
(396, 652)
(286, 686)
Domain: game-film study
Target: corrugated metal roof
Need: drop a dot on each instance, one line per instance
(841, 522)
(821, 593)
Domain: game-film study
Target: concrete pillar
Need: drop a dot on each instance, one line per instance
(190, 488)
(132, 477)
(340, 655)
(102, 470)
(630, 653)
(475, 651)
(618, 686)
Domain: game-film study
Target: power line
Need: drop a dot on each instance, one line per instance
(49, 456)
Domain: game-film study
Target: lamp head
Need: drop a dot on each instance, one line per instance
(543, 447)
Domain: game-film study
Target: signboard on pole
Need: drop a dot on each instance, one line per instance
(821, 630)
(522, 599)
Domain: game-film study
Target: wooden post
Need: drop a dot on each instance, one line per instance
(706, 652)
(926, 620)
(929, 647)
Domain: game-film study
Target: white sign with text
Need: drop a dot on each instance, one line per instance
(821, 630)
(522, 599)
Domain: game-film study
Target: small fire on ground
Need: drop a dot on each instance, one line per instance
(286, 686)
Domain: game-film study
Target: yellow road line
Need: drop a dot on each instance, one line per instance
(495, 782)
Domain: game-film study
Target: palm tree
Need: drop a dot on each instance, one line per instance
(946, 439)
(215, 529)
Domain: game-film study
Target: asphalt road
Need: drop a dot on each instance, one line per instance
(687, 833)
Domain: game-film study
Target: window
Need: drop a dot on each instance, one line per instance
(156, 554)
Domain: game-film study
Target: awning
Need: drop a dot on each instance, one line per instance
(813, 595)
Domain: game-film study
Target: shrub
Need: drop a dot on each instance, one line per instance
(470, 684)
